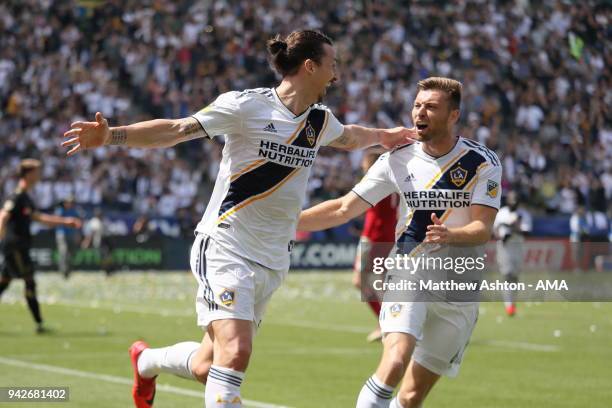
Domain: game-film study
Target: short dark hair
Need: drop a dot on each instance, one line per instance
(288, 54)
(27, 165)
(452, 88)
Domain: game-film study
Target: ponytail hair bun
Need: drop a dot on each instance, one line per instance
(276, 46)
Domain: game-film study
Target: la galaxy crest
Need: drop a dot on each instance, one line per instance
(395, 309)
(492, 188)
(311, 135)
(227, 297)
(458, 176)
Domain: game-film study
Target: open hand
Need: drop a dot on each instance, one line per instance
(85, 135)
(437, 233)
(72, 222)
(397, 136)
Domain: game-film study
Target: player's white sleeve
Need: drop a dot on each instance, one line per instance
(377, 183)
(488, 186)
(526, 221)
(333, 130)
(500, 219)
(222, 117)
(8, 206)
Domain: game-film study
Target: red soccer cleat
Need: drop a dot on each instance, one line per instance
(143, 390)
(511, 310)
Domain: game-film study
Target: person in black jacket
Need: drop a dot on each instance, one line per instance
(16, 215)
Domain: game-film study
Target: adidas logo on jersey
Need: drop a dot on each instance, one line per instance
(409, 177)
(270, 128)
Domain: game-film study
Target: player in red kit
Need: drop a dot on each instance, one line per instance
(377, 238)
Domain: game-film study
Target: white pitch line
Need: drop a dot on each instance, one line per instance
(523, 345)
(120, 380)
(317, 325)
(174, 313)
(303, 324)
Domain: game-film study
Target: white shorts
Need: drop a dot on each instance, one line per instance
(230, 287)
(442, 330)
(509, 258)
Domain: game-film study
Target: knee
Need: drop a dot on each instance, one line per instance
(30, 288)
(237, 353)
(411, 398)
(396, 366)
(200, 370)
(395, 361)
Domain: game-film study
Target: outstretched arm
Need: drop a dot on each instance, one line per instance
(148, 134)
(56, 220)
(332, 213)
(357, 137)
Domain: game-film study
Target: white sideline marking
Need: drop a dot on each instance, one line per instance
(338, 351)
(303, 324)
(523, 345)
(120, 380)
(317, 325)
(175, 313)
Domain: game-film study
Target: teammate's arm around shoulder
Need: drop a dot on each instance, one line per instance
(332, 213)
(147, 134)
(358, 137)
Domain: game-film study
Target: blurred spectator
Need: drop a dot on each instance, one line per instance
(67, 239)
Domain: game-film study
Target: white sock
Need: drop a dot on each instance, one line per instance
(174, 359)
(223, 388)
(395, 403)
(374, 394)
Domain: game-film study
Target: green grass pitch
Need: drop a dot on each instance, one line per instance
(310, 351)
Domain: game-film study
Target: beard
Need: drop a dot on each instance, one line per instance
(429, 135)
(321, 95)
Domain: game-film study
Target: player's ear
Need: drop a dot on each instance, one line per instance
(454, 116)
(310, 66)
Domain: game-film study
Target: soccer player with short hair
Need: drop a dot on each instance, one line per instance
(241, 251)
(424, 340)
(16, 215)
(511, 225)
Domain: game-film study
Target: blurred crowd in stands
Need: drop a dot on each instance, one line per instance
(537, 89)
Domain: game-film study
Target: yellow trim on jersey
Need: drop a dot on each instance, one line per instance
(297, 131)
(408, 219)
(247, 168)
(436, 178)
(483, 164)
(446, 213)
(257, 197)
(445, 167)
(323, 127)
(469, 185)
(261, 161)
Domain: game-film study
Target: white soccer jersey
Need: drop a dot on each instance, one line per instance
(468, 174)
(267, 159)
(504, 220)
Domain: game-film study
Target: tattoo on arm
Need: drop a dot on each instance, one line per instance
(118, 137)
(344, 142)
(191, 129)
